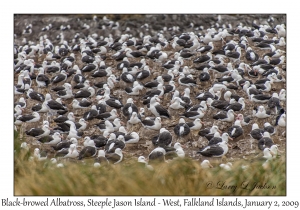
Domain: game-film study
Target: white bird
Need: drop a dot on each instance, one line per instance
(226, 166)
(280, 31)
(185, 80)
(196, 124)
(135, 90)
(117, 124)
(56, 138)
(88, 142)
(73, 132)
(281, 121)
(157, 109)
(177, 103)
(24, 146)
(38, 156)
(262, 113)
(134, 118)
(132, 138)
(218, 87)
(58, 165)
(34, 117)
(73, 153)
(152, 124)
(179, 150)
(206, 164)
(267, 154)
(142, 160)
(282, 96)
(109, 126)
(18, 110)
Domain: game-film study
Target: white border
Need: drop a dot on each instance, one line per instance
(152, 6)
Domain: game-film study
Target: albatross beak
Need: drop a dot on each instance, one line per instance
(210, 165)
(230, 138)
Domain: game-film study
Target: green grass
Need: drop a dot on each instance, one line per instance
(180, 177)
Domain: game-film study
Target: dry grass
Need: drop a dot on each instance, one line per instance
(180, 177)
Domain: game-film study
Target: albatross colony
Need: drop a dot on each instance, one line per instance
(116, 88)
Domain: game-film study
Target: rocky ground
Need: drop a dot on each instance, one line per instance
(241, 148)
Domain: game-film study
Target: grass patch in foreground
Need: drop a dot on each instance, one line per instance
(179, 177)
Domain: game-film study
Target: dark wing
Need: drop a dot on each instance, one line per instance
(234, 107)
(191, 114)
(63, 152)
(210, 151)
(55, 105)
(61, 119)
(99, 73)
(112, 157)
(82, 94)
(187, 80)
(62, 144)
(63, 127)
(37, 96)
(265, 142)
(185, 127)
(156, 157)
(162, 111)
(204, 132)
(214, 140)
(87, 152)
(220, 115)
(100, 142)
(171, 155)
(35, 132)
(274, 102)
(89, 115)
(103, 116)
(257, 134)
(219, 104)
(269, 129)
(58, 88)
(43, 78)
(148, 122)
(164, 139)
(102, 160)
(45, 139)
(25, 118)
(114, 103)
(237, 132)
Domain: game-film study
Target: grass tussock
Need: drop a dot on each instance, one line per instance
(180, 177)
